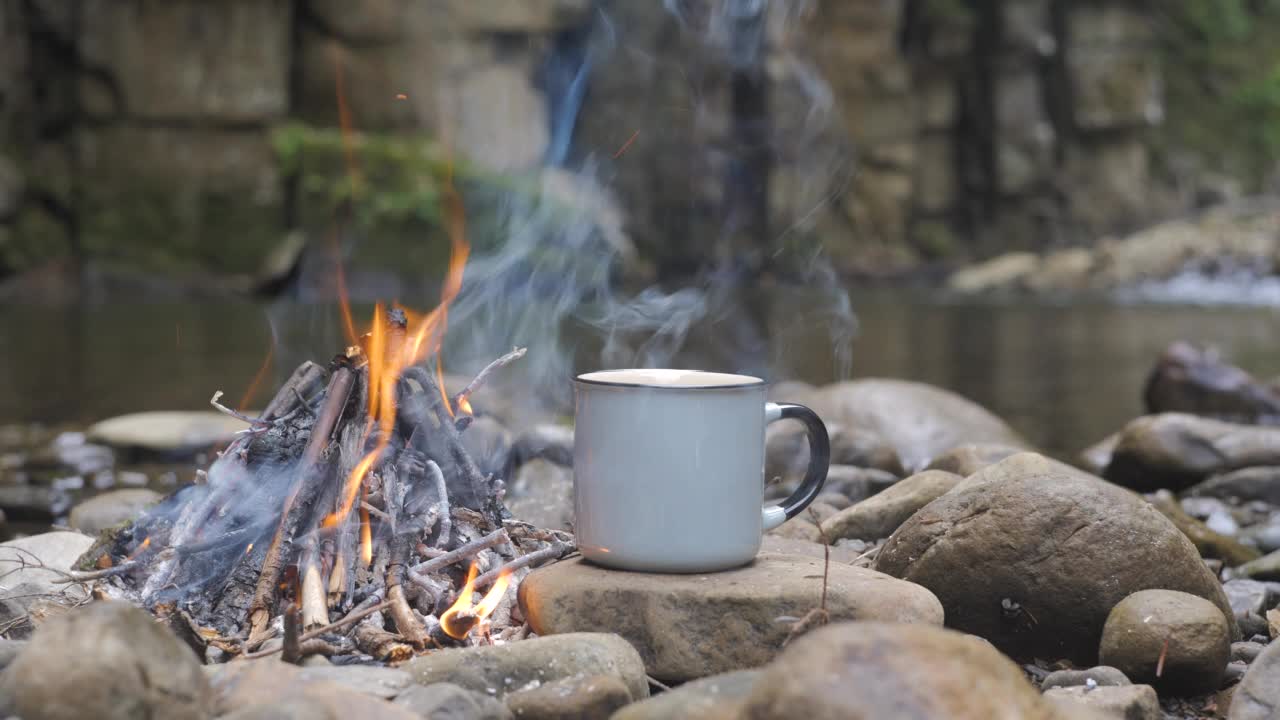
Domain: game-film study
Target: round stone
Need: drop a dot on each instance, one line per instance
(1177, 642)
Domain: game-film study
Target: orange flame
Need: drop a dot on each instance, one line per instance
(366, 539)
(390, 353)
(248, 549)
(465, 405)
(462, 616)
(146, 543)
(256, 383)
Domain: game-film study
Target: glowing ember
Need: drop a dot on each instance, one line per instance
(462, 617)
(465, 405)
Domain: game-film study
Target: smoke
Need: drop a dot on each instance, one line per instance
(551, 264)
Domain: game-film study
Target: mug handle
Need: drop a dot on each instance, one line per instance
(819, 461)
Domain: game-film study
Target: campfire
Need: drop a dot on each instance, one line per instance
(348, 519)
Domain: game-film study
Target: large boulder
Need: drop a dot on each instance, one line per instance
(919, 421)
(879, 515)
(1032, 555)
(1257, 697)
(1195, 380)
(678, 622)
(1177, 642)
(106, 660)
(872, 670)
(501, 669)
(1176, 451)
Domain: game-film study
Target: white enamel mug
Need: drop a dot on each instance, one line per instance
(669, 468)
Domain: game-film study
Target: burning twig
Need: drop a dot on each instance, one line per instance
(460, 400)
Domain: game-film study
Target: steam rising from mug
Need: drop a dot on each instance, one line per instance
(545, 268)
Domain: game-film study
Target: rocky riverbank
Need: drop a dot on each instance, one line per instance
(947, 571)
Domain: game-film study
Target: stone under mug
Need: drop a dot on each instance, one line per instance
(669, 468)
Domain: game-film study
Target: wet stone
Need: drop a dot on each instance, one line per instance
(678, 622)
(110, 509)
(1176, 451)
(858, 483)
(918, 421)
(106, 660)
(1246, 651)
(1251, 483)
(965, 460)
(1188, 631)
(500, 669)
(1248, 596)
(878, 516)
(1033, 538)
(890, 670)
(1257, 697)
(167, 432)
(446, 701)
(710, 698)
(1100, 675)
(584, 697)
(1128, 702)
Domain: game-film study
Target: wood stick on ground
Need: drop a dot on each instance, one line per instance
(496, 537)
(291, 650)
(552, 552)
(483, 375)
(336, 395)
(372, 640)
(315, 605)
(313, 634)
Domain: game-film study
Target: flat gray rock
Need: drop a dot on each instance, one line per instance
(167, 431)
(690, 626)
(496, 670)
(110, 509)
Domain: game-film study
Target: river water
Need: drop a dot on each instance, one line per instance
(1064, 375)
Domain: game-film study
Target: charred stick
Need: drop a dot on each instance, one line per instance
(553, 552)
(474, 547)
(442, 508)
(401, 614)
(306, 636)
(483, 375)
(385, 646)
(309, 479)
(303, 383)
(291, 651)
(472, 489)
